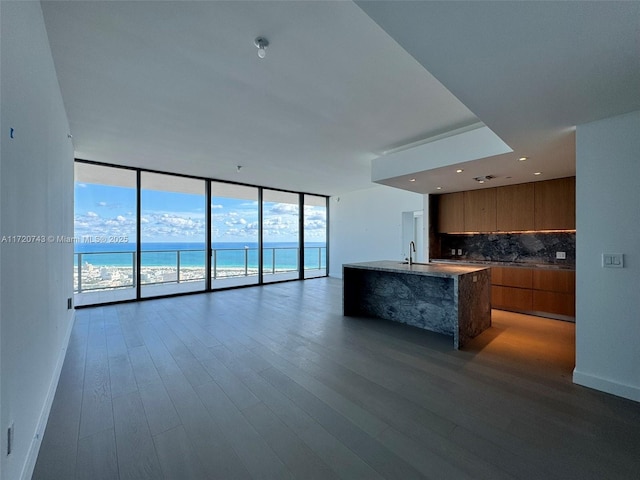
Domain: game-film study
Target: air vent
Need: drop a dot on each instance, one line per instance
(484, 178)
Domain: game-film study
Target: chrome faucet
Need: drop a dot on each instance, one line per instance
(412, 245)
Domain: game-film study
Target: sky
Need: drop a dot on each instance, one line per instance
(103, 210)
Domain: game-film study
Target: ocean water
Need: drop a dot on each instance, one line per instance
(227, 255)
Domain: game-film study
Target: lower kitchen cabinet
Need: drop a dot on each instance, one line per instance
(554, 302)
(540, 291)
(511, 298)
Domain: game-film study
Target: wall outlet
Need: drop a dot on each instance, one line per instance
(453, 251)
(561, 255)
(459, 251)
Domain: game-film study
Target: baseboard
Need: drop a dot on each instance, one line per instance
(604, 385)
(34, 448)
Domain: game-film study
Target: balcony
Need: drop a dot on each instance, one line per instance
(103, 277)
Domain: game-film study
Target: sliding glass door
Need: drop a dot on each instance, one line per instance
(234, 235)
(105, 234)
(280, 236)
(172, 233)
(315, 236)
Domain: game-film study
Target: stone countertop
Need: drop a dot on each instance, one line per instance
(428, 269)
(489, 263)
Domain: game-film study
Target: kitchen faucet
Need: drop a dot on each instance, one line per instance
(412, 245)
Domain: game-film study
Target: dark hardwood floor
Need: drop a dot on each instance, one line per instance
(273, 382)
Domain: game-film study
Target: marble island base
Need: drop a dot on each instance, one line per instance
(451, 300)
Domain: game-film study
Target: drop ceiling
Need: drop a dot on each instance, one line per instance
(178, 86)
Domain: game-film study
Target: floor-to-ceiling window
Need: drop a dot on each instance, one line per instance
(235, 230)
(105, 234)
(280, 235)
(315, 236)
(142, 234)
(172, 234)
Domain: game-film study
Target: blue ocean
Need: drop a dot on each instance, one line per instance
(225, 255)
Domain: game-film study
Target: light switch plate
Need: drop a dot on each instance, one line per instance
(612, 260)
(459, 251)
(453, 251)
(561, 255)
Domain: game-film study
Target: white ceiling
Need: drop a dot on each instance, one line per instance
(178, 86)
(531, 71)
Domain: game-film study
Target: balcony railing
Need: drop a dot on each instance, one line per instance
(114, 270)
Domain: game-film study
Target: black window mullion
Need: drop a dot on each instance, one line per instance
(301, 236)
(207, 236)
(260, 237)
(138, 233)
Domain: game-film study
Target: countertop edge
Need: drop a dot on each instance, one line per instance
(431, 269)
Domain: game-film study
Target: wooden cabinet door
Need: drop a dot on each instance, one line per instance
(480, 210)
(555, 204)
(562, 281)
(451, 213)
(554, 302)
(510, 298)
(512, 277)
(514, 207)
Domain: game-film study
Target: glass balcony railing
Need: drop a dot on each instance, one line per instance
(117, 270)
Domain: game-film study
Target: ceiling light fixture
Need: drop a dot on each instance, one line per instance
(262, 44)
(412, 179)
(460, 170)
(538, 173)
(522, 159)
(438, 188)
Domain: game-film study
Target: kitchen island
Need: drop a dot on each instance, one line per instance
(448, 299)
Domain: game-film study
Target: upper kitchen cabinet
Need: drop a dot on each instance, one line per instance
(480, 210)
(451, 212)
(515, 208)
(555, 204)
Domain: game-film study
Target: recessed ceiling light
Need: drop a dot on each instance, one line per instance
(459, 170)
(438, 188)
(480, 181)
(522, 159)
(538, 173)
(412, 179)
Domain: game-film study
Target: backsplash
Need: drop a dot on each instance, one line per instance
(511, 247)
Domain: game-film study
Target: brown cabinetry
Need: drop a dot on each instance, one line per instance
(547, 205)
(480, 210)
(512, 277)
(555, 204)
(534, 290)
(451, 213)
(554, 292)
(515, 208)
(509, 298)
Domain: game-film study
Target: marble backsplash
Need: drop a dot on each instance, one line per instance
(511, 247)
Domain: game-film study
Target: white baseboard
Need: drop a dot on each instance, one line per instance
(34, 448)
(608, 386)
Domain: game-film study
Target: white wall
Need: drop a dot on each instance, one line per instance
(366, 225)
(36, 188)
(608, 220)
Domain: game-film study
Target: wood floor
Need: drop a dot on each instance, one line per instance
(273, 382)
